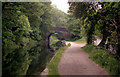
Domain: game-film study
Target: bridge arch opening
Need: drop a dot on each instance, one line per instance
(58, 43)
(62, 32)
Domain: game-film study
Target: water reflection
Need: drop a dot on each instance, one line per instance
(24, 60)
(39, 58)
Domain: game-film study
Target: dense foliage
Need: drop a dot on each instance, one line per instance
(75, 27)
(24, 25)
(59, 17)
(100, 19)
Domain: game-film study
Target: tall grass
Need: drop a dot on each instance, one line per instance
(104, 59)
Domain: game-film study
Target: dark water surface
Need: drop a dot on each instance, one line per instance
(24, 60)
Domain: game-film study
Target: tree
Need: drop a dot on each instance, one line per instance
(24, 25)
(102, 19)
(74, 26)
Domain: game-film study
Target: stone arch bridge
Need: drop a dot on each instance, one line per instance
(54, 30)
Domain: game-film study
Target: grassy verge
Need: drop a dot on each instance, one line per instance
(82, 40)
(104, 59)
(53, 65)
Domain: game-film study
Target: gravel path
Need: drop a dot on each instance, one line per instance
(75, 61)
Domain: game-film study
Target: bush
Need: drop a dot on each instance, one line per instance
(69, 44)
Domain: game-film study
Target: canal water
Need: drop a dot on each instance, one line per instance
(25, 60)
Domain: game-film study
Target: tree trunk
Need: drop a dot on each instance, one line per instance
(90, 33)
(105, 35)
(89, 38)
(102, 43)
(118, 35)
(118, 46)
